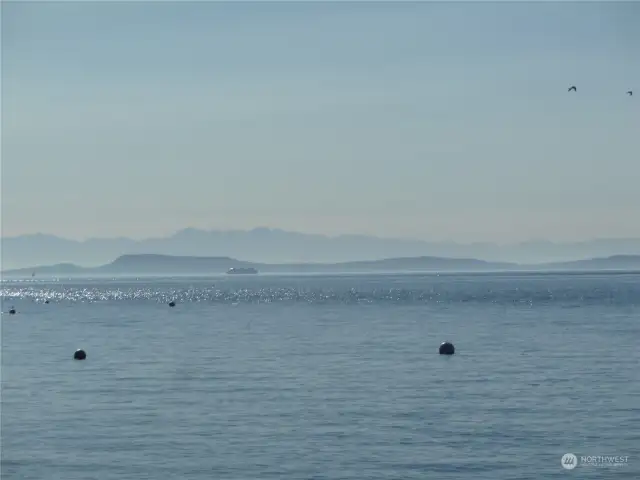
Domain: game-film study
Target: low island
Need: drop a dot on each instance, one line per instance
(138, 265)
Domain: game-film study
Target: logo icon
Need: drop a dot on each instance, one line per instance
(569, 461)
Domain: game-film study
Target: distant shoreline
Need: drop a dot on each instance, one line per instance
(151, 265)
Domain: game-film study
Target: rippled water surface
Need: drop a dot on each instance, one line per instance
(321, 377)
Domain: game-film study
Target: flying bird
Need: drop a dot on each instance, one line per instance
(629, 93)
(572, 88)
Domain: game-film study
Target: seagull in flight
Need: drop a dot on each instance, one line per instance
(572, 88)
(629, 93)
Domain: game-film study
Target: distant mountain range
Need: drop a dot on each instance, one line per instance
(265, 245)
(151, 264)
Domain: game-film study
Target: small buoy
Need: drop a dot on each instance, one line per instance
(172, 303)
(79, 354)
(447, 348)
(12, 311)
(46, 301)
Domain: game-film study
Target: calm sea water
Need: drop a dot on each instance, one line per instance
(322, 377)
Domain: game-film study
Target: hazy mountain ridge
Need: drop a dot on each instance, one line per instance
(278, 246)
(152, 264)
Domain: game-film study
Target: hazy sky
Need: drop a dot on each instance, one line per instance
(429, 120)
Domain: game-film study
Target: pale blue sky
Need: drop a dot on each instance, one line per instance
(428, 120)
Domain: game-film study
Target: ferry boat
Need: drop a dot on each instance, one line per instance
(242, 271)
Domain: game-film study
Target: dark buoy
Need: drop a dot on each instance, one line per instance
(12, 311)
(447, 348)
(80, 354)
(172, 303)
(46, 301)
